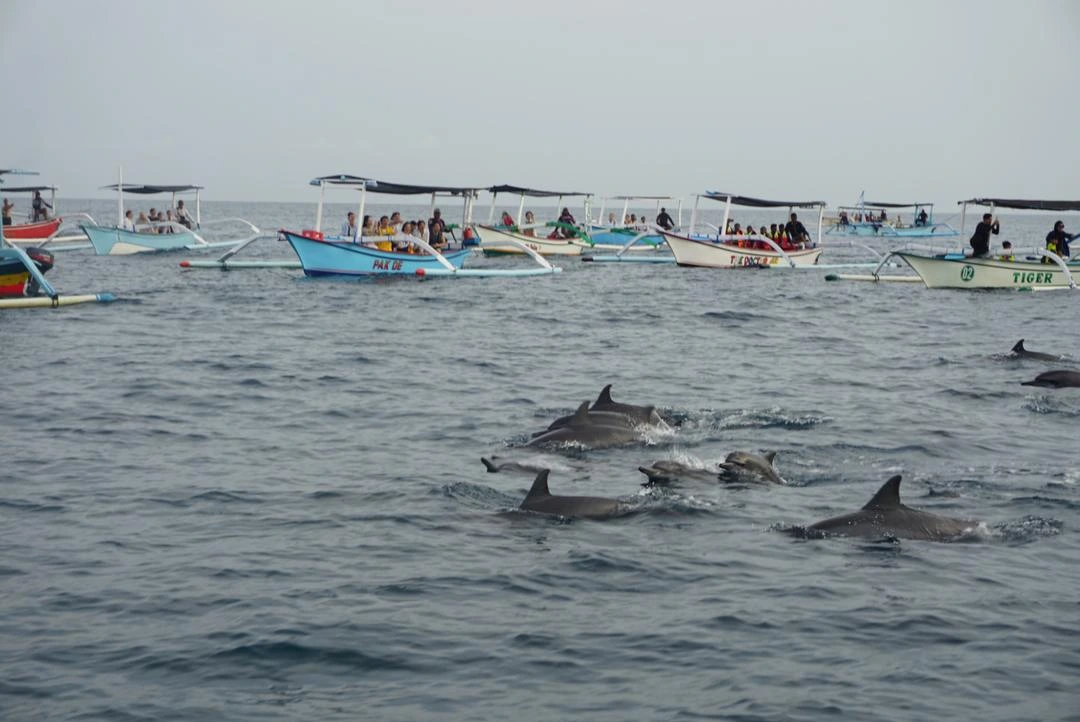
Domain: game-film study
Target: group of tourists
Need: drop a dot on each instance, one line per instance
(156, 221)
(391, 233)
(791, 236)
(921, 218)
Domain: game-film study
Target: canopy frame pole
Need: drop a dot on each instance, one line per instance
(360, 218)
(491, 211)
(52, 201)
(963, 217)
(318, 208)
(625, 211)
(679, 212)
(120, 195)
(603, 207)
(198, 210)
(521, 209)
(693, 215)
(727, 217)
(431, 208)
(820, 222)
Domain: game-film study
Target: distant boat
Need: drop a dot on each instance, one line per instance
(40, 232)
(871, 218)
(547, 239)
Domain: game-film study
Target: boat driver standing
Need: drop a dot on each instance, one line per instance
(980, 239)
(664, 220)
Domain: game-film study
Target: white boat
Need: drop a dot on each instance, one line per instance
(723, 250)
(547, 239)
(159, 236)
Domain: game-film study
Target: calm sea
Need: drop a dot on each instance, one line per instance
(254, 496)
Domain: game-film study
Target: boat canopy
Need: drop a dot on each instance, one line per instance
(533, 193)
(642, 198)
(1026, 205)
(401, 189)
(759, 202)
(30, 189)
(876, 204)
(145, 190)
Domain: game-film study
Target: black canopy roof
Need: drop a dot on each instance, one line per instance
(877, 204)
(377, 186)
(759, 202)
(27, 189)
(150, 190)
(1026, 205)
(533, 193)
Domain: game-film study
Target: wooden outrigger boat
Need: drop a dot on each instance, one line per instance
(40, 232)
(547, 239)
(870, 218)
(722, 250)
(1027, 269)
(22, 276)
(159, 236)
(613, 237)
(360, 255)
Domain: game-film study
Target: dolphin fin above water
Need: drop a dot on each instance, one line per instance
(541, 500)
(886, 516)
(1019, 350)
(640, 414)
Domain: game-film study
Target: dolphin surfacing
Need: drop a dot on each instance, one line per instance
(583, 429)
(668, 472)
(885, 516)
(640, 414)
(541, 500)
(1021, 352)
(1055, 380)
(742, 466)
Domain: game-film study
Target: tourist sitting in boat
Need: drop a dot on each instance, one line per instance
(182, 215)
(40, 207)
(420, 230)
(611, 218)
(921, 219)
(980, 239)
(626, 219)
(844, 219)
(796, 232)
(507, 219)
(8, 207)
(1007, 252)
(407, 229)
(142, 224)
(169, 220)
(1057, 241)
(128, 224)
(367, 228)
(437, 231)
(348, 228)
(384, 228)
(664, 220)
(530, 219)
(395, 221)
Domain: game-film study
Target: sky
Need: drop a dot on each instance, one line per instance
(909, 100)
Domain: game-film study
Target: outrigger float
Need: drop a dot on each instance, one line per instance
(869, 218)
(22, 276)
(158, 236)
(1035, 269)
(723, 250)
(329, 255)
(502, 240)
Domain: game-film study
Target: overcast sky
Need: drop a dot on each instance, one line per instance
(908, 100)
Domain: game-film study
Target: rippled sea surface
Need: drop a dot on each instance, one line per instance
(254, 496)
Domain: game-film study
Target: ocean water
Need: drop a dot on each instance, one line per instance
(255, 496)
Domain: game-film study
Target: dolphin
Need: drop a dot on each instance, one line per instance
(541, 500)
(604, 418)
(885, 516)
(669, 471)
(1055, 379)
(495, 467)
(1020, 351)
(640, 414)
(744, 466)
(581, 429)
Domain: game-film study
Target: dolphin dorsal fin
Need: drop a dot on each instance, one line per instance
(604, 397)
(490, 465)
(770, 456)
(888, 496)
(1019, 347)
(539, 487)
(581, 416)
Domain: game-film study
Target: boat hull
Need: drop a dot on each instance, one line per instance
(32, 233)
(345, 258)
(712, 254)
(967, 272)
(15, 279)
(499, 242)
(876, 230)
(113, 241)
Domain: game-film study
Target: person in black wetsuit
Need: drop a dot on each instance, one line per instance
(664, 220)
(1057, 241)
(980, 239)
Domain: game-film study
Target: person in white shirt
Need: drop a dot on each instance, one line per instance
(182, 215)
(348, 228)
(128, 224)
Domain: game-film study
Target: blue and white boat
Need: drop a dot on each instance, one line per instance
(158, 236)
(872, 219)
(398, 254)
(613, 233)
